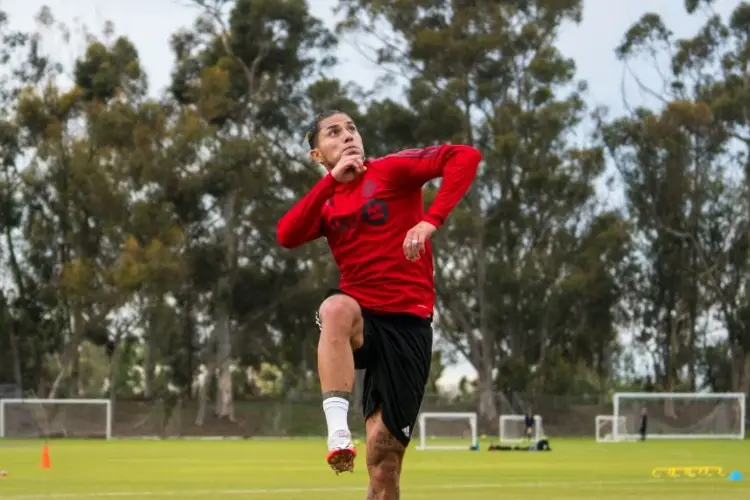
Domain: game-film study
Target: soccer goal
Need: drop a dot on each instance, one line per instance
(513, 429)
(447, 431)
(55, 418)
(676, 415)
(604, 426)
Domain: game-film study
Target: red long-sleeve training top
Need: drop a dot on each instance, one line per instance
(365, 222)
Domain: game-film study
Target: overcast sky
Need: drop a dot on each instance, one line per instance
(149, 24)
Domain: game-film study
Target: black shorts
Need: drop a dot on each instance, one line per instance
(396, 356)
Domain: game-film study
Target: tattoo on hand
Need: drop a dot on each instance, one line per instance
(337, 394)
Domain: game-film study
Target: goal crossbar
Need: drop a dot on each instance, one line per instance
(680, 395)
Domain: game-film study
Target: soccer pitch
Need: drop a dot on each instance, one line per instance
(264, 470)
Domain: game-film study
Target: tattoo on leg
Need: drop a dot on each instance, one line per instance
(337, 394)
(383, 465)
(385, 442)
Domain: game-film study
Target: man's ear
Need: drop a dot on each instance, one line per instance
(315, 155)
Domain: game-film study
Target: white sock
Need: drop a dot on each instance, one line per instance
(337, 414)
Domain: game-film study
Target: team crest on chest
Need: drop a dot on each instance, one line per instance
(375, 212)
(371, 212)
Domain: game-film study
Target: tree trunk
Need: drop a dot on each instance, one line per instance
(203, 386)
(16, 356)
(224, 395)
(70, 352)
(149, 365)
(671, 368)
(222, 330)
(487, 405)
(741, 371)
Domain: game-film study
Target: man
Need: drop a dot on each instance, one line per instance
(644, 423)
(380, 318)
(529, 424)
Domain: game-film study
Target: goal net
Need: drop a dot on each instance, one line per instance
(605, 428)
(55, 418)
(447, 431)
(513, 429)
(682, 415)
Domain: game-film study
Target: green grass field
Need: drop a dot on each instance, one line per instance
(260, 470)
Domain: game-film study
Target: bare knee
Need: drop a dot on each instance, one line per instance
(341, 318)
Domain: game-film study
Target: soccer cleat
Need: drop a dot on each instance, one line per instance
(341, 452)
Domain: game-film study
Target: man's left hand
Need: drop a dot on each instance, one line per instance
(416, 238)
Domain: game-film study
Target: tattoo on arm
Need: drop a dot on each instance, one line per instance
(337, 394)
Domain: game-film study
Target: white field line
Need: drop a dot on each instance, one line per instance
(307, 491)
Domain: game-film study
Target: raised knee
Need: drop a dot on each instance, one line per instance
(340, 310)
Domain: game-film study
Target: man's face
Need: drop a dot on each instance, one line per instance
(337, 136)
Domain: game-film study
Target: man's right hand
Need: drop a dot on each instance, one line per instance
(348, 168)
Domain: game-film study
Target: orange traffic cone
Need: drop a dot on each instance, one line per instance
(46, 463)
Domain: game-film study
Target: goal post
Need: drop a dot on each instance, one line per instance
(681, 415)
(447, 431)
(604, 428)
(58, 418)
(513, 429)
